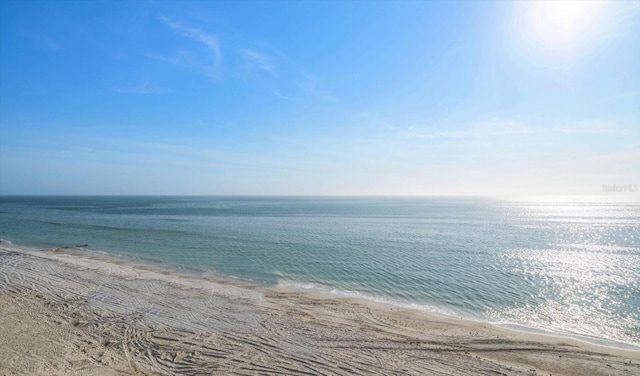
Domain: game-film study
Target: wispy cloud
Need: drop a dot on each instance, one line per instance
(209, 40)
(629, 94)
(254, 60)
(190, 61)
(292, 82)
(143, 88)
(597, 126)
(312, 86)
(620, 96)
(206, 63)
(282, 95)
(500, 127)
(436, 135)
(487, 128)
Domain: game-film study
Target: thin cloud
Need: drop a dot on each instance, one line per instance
(210, 41)
(302, 83)
(500, 127)
(629, 94)
(588, 127)
(143, 88)
(281, 95)
(620, 96)
(493, 127)
(254, 60)
(438, 135)
(311, 86)
(189, 60)
(296, 83)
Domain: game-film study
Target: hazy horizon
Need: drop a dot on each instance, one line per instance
(319, 98)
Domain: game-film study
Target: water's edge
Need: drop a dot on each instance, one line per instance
(89, 254)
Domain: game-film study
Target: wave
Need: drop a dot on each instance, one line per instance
(331, 290)
(528, 326)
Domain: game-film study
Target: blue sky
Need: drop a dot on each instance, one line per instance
(375, 98)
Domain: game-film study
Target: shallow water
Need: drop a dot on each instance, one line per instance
(566, 265)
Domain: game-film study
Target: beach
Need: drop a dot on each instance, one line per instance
(72, 312)
(320, 188)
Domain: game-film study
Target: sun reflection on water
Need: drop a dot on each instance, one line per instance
(590, 276)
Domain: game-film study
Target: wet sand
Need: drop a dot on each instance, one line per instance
(70, 312)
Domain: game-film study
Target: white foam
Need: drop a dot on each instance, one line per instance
(309, 286)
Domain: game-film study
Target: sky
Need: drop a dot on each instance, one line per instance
(318, 97)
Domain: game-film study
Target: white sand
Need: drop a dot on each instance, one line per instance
(73, 313)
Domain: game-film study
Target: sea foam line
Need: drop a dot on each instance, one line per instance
(327, 289)
(443, 311)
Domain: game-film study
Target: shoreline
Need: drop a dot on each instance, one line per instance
(321, 290)
(314, 329)
(326, 292)
(440, 312)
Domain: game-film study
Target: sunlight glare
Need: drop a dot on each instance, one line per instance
(560, 23)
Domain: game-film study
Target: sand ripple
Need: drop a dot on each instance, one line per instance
(69, 313)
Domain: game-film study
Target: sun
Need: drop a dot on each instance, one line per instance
(562, 23)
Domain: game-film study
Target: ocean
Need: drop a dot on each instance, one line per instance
(563, 265)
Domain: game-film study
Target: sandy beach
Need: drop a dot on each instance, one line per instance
(72, 312)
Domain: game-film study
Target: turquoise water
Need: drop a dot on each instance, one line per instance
(565, 265)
